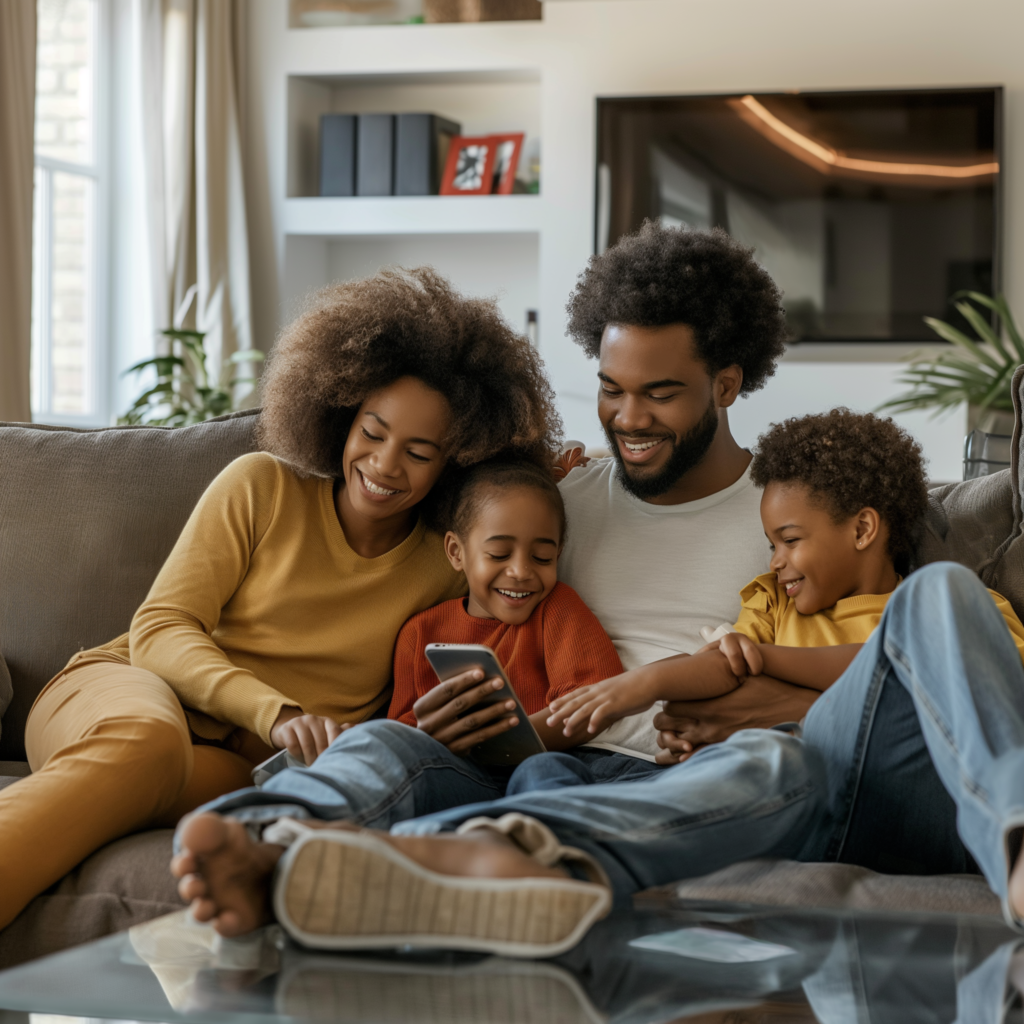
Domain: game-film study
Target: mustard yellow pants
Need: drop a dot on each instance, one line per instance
(111, 753)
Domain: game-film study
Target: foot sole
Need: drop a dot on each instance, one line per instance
(351, 890)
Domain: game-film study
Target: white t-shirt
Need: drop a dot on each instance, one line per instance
(654, 574)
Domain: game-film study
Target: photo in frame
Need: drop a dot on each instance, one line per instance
(470, 166)
(507, 148)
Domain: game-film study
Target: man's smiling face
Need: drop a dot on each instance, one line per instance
(657, 405)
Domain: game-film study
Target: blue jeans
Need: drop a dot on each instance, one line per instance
(383, 772)
(912, 761)
(583, 766)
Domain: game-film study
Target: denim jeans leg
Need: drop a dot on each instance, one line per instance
(583, 766)
(944, 642)
(756, 795)
(375, 774)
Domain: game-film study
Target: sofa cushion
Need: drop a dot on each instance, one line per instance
(786, 883)
(87, 518)
(124, 883)
(979, 522)
(11, 771)
(6, 691)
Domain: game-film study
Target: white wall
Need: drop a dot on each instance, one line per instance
(592, 48)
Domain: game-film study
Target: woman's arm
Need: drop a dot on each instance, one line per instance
(171, 632)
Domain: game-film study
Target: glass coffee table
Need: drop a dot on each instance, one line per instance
(721, 963)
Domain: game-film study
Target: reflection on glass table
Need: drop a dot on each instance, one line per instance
(721, 964)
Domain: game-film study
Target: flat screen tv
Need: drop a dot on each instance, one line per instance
(870, 209)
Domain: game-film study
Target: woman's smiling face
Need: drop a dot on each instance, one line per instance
(394, 452)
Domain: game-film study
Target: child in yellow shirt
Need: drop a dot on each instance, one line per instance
(841, 535)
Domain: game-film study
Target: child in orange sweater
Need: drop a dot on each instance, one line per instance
(507, 532)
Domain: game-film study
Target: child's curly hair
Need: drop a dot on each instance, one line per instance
(704, 279)
(851, 461)
(360, 336)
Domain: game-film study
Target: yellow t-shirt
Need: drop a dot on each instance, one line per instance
(262, 604)
(769, 616)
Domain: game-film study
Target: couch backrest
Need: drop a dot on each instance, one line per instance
(87, 518)
(979, 522)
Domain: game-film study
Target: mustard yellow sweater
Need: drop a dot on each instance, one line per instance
(262, 604)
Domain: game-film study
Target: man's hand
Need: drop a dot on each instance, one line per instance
(602, 703)
(437, 712)
(305, 737)
(760, 703)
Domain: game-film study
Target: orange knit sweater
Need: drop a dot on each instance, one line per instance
(560, 646)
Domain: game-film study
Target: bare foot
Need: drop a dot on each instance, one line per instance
(224, 874)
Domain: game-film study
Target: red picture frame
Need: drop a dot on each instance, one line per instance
(469, 169)
(507, 148)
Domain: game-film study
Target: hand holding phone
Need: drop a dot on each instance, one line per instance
(474, 708)
(442, 712)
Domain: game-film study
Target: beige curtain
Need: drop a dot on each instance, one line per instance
(17, 118)
(193, 160)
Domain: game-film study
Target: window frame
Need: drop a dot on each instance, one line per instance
(96, 357)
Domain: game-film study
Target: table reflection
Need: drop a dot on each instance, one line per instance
(644, 967)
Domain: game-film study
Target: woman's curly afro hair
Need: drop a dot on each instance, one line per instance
(851, 461)
(360, 336)
(704, 279)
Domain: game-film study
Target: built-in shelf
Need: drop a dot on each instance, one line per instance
(413, 215)
(480, 101)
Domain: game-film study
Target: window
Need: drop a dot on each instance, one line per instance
(68, 255)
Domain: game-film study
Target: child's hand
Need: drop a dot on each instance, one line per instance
(438, 711)
(742, 653)
(603, 703)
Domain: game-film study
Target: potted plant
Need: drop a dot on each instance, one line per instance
(977, 371)
(185, 391)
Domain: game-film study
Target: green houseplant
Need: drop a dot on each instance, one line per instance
(185, 392)
(977, 371)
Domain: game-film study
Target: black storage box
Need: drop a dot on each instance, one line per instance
(338, 155)
(421, 149)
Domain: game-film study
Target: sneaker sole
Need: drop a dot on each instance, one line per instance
(351, 890)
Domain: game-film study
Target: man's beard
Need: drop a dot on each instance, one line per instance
(687, 452)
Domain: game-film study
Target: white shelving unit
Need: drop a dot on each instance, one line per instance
(414, 215)
(543, 78)
(485, 244)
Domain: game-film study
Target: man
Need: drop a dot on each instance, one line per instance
(663, 536)
(553, 855)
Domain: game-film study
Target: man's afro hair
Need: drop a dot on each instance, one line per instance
(851, 461)
(360, 336)
(704, 279)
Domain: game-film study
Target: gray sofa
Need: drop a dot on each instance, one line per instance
(86, 520)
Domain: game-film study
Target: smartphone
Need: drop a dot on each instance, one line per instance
(274, 764)
(508, 748)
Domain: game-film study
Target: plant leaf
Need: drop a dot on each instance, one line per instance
(951, 334)
(984, 329)
(164, 365)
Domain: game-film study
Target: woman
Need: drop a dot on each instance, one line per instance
(273, 621)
